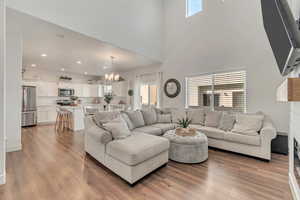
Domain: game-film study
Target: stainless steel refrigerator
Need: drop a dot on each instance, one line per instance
(29, 110)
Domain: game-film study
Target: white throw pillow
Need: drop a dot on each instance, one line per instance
(164, 118)
(197, 116)
(118, 128)
(248, 124)
(136, 118)
(227, 122)
(150, 116)
(212, 119)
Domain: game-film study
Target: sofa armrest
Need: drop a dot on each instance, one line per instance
(99, 134)
(268, 129)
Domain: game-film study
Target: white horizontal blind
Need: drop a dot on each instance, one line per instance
(197, 87)
(229, 91)
(220, 91)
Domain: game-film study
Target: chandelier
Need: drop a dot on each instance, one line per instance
(112, 77)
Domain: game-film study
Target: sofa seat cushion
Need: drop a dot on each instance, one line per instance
(212, 132)
(149, 130)
(164, 126)
(242, 139)
(137, 148)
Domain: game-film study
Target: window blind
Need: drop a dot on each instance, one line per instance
(220, 91)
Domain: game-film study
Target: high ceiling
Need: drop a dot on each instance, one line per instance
(69, 50)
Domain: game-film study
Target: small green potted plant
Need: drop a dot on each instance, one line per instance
(183, 127)
(108, 97)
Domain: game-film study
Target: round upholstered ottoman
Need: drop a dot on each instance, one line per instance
(187, 149)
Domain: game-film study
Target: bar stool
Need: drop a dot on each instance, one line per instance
(63, 119)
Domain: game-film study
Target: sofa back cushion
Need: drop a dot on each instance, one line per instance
(197, 116)
(136, 118)
(227, 122)
(118, 128)
(150, 116)
(164, 118)
(248, 124)
(212, 118)
(127, 120)
(101, 118)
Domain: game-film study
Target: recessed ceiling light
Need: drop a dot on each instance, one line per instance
(62, 69)
(105, 67)
(33, 65)
(85, 73)
(44, 55)
(79, 62)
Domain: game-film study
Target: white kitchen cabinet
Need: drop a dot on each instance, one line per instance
(66, 85)
(86, 90)
(52, 89)
(46, 114)
(47, 89)
(78, 90)
(94, 91)
(120, 89)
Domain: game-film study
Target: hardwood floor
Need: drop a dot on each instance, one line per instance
(54, 166)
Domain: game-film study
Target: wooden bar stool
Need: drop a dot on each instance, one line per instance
(63, 119)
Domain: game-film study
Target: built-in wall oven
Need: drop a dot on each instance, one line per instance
(66, 92)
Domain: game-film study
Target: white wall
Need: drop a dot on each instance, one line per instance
(130, 24)
(36, 74)
(14, 53)
(2, 91)
(224, 36)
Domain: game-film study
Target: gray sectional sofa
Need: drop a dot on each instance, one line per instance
(140, 152)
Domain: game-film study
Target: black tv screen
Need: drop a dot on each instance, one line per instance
(283, 33)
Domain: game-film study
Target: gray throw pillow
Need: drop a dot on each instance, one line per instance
(212, 119)
(227, 122)
(248, 124)
(164, 118)
(127, 120)
(136, 118)
(118, 128)
(150, 116)
(197, 116)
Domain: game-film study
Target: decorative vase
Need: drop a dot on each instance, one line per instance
(186, 132)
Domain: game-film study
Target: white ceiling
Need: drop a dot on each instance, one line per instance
(64, 48)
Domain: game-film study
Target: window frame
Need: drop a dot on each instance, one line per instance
(212, 107)
(149, 94)
(187, 10)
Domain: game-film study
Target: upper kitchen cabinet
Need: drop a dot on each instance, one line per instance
(94, 91)
(66, 85)
(120, 88)
(47, 89)
(86, 90)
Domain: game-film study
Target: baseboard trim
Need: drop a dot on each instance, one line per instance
(294, 187)
(2, 179)
(13, 148)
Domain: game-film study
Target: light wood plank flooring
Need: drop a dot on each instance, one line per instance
(54, 166)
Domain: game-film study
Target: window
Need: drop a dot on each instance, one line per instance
(222, 91)
(193, 7)
(148, 94)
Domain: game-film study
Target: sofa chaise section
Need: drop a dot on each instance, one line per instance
(131, 158)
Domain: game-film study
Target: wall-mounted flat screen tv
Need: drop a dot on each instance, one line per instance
(283, 33)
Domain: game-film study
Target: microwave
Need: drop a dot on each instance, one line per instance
(66, 92)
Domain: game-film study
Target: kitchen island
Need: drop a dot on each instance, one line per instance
(77, 116)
